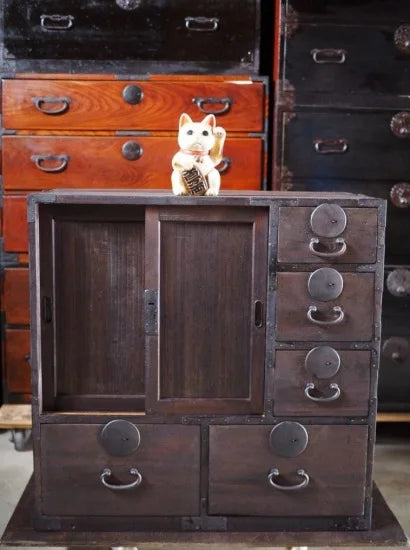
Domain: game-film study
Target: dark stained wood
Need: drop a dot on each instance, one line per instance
(295, 233)
(357, 11)
(16, 296)
(15, 223)
(241, 459)
(17, 356)
(293, 302)
(73, 460)
(291, 377)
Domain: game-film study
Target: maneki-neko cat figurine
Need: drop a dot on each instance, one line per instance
(201, 150)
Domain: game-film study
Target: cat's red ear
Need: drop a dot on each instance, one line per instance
(210, 120)
(184, 119)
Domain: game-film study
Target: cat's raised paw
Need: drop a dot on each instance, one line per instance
(219, 132)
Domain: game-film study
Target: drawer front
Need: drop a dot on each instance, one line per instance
(102, 162)
(343, 145)
(308, 235)
(241, 459)
(17, 357)
(101, 105)
(340, 390)
(133, 30)
(353, 59)
(73, 459)
(16, 296)
(352, 321)
(15, 228)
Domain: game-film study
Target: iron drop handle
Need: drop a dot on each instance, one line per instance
(224, 165)
(107, 473)
(63, 101)
(56, 22)
(336, 309)
(40, 159)
(314, 241)
(200, 102)
(329, 56)
(274, 473)
(310, 386)
(331, 146)
(202, 24)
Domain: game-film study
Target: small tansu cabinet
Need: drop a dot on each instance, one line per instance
(204, 363)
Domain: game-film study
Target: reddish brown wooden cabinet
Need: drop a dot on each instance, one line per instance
(181, 378)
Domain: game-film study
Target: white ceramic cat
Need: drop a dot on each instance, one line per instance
(201, 146)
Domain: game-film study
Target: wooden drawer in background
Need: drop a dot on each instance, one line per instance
(16, 298)
(15, 229)
(17, 357)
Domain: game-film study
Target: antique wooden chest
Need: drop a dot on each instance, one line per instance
(204, 363)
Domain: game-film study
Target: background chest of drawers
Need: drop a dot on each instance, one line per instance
(342, 123)
(219, 413)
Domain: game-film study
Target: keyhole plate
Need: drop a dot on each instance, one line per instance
(288, 439)
(120, 438)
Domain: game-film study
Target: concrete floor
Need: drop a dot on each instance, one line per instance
(392, 473)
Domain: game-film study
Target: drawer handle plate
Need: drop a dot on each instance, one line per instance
(56, 22)
(400, 195)
(402, 39)
(39, 101)
(200, 102)
(62, 159)
(336, 309)
(224, 165)
(400, 125)
(274, 473)
(337, 392)
(108, 473)
(340, 241)
(331, 146)
(329, 56)
(202, 24)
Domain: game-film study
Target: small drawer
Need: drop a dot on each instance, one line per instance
(15, 228)
(333, 460)
(16, 298)
(326, 234)
(164, 460)
(107, 162)
(17, 359)
(130, 105)
(322, 381)
(325, 306)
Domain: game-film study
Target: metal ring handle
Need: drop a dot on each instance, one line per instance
(201, 101)
(38, 102)
(58, 22)
(107, 473)
(275, 473)
(310, 386)
(336, 309)
(329, 55)
(331, 146)
(202, 24)
(63, 159)
(225, 163)
(335, 254)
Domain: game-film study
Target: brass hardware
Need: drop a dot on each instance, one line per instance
(328, 220)
(132, 94)
(56, 22)
(39, 101)
(200, 102)
(224, 165)
(398, 282)
(396, 349)
(106, 473)
(329, 56)
(132, 150)
(400, 195)
(274, 473)
(335, 254)
(400, 125)
(325, 284)
(331, 146)
(322, 362)
(202, 24)
(310, 386)
(128, 4)
(402, 39)
(62, 159)
(326, 322)
(288, 439)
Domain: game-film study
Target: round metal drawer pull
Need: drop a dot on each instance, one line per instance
(107, 473)
(274, 473)
(328, 322)
(131, 150)
(314, 241)
(62, 159)
(133, 94)
(64, 101)
(402, 39)
(310, 386)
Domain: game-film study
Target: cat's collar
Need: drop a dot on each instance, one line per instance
(194, 153)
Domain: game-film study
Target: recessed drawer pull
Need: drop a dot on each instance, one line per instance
(329, 55)
(328, 322)
(331, 146)
(40, 101)
(61, 159)
(314, 241)
(107, 473)
(200, 102)
(224, 165)
(310, 386)
(56, 22)
(202, 24)
(258, 314)
(274, 473)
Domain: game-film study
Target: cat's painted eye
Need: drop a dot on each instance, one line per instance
(190, 132)
(205, 133)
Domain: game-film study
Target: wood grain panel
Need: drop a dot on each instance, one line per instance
(15, 223)
(241, 459)
(99, 162)
(99, 105)
(17, 366)
(16, 296)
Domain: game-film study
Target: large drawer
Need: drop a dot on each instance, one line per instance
(155, 105)
(16, 296)
(15, 230)
(303, 316)
(49, 162)
(73, 460)
(17, 361)
(241, 459)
